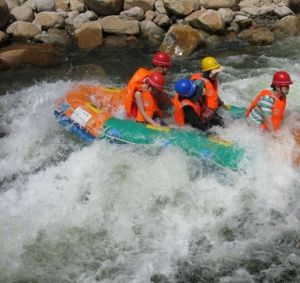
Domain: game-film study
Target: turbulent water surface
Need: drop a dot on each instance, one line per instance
(111, 213)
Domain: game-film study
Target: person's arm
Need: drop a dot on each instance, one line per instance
(192, 119)
(139, 103)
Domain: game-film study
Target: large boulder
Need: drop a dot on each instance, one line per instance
(47, 20)
(89, 36)
(216, 4)
(115, 25)
(120, 41)
(295, 5)
(287, 26)
(77, 5)
(23, 30)
(20, 55)
(105, 7)
(3, 38)
(62, 5)
(257, 36)
(44, 5)
(54, 36)
(181, 7)
(10, 4)
(153, 33)
(182, 40)
(144, 4)
(226, 15)
(23, 13)
(136, 13)
(4, 14)
(209, 20)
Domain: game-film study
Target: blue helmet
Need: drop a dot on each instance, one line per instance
(185, 88)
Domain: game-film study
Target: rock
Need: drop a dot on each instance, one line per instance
(89, 36)
(243, 21)
(80, 20)
(23, 13)
(150, 15)
(47, 20)
(31, 4)
(162, 20)
(61, 5)
(92, 16)
(135, 13)
(44, 5)
(159, 7)
(4, 14)
(20, 55)
(115, 25)
(226, 15)
(181, 7)
(105, 7)
(23, 30)
(76, 5)
(283, 11)
(143, 4)
(217, 4)
(181, 40)
(54, 36)
(209, 20)
(257, 36)
(71, 16)
(287, 26)
(213, 41)
(295, 5)
(119, 41)
(3, 38)
(10, 4)
(153, 33)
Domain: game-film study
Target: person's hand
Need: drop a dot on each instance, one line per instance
(207, 114)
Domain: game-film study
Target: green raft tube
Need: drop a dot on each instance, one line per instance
(196, 143)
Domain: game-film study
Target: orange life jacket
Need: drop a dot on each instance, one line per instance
(211, 91)
(277, 112)
(150, 107)
(178, 109)
(135, 84)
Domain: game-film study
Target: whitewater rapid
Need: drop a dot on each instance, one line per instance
(125, 213)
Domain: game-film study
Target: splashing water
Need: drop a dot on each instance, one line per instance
(112, 213)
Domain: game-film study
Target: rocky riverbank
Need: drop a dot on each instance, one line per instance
(176, 26)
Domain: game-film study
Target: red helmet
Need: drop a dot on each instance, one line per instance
(281, 78)
(156, 80)
(161, 59)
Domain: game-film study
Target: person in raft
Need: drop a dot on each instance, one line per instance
(161, 62)
(146, 100)
(267, 109)
(210, 68)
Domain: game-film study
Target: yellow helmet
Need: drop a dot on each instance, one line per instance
(209, 63)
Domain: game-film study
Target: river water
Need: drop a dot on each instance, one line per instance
(111, 213)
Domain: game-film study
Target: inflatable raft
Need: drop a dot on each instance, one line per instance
(88, 112)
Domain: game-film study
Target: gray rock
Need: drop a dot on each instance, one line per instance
(135, 13)
(105, 7)
(23, 13)
(23, 30)
(4, 14)
(3, 38)
(153, 33)
(115, 25)
(143, 4)
(44, 5)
